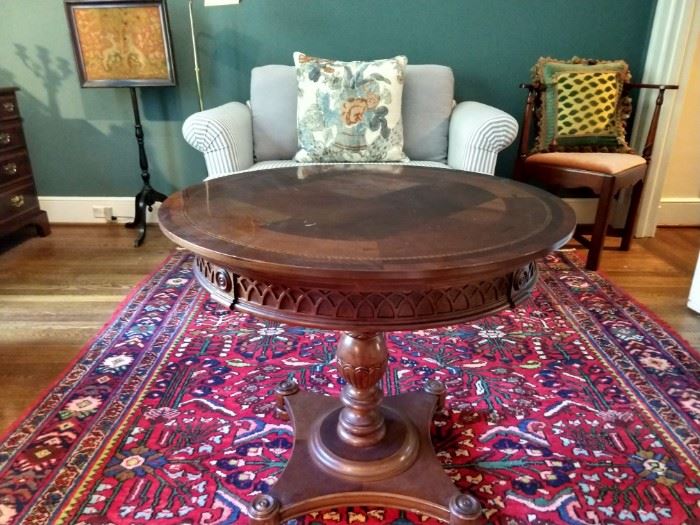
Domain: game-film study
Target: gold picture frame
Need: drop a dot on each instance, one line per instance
(121, 43)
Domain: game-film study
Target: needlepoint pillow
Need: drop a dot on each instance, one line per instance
(349, 111)
(583, 106)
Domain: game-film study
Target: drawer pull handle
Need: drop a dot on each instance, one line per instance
(5, 138)
(17, 201)
(10, 168)
(9, 107)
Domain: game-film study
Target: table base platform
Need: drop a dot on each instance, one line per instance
(401, 471)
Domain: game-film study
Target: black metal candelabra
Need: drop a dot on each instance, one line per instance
(147, 197)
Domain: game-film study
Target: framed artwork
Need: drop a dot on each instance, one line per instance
(121, 43)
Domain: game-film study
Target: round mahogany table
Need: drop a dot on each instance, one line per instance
(365, 249)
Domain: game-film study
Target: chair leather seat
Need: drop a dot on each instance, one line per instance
(608, 163)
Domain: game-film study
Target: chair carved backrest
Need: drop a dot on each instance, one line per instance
(535, 100)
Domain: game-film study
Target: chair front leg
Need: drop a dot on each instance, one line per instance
(600, 227)
(631, 219)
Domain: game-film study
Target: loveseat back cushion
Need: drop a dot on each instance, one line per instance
(427, 104)
(273, 104)
(428, 98)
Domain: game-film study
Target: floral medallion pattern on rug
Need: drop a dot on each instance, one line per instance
(576, 407)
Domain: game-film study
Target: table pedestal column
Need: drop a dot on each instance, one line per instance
(361, 361)
(363, 450)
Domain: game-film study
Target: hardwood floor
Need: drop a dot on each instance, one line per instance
(56, 292)
(657, 272)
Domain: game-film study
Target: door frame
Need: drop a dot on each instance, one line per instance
(670, 51)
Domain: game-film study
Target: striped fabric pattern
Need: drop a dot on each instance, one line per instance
(481, 152)
(272, 164)
(477, 134)
(224, 135)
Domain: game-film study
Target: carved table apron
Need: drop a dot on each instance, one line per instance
(364, 250)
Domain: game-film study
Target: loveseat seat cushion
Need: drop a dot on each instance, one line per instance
(274, 164)
(427, 104)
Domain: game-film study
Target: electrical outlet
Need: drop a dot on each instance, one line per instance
(102, 212)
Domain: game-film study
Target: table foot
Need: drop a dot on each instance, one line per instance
(144, 200)
(414, 481)
(465, 509)
(264, 510)
(286, 388)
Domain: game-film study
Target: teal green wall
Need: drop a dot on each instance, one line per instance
(82, 142)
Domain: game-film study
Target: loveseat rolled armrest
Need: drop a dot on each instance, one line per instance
(478, 132)
(224, 135)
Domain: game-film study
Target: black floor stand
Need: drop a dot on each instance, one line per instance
(147, 197)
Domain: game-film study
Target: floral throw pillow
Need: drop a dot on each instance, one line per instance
(349, 111)
(583, 106)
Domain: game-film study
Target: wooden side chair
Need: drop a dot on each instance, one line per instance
(603, 174)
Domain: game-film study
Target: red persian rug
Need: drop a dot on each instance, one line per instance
(577, 407)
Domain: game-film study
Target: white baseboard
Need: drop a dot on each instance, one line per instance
(673, 211)
(584, 209)
(679, 211)
(80, 209)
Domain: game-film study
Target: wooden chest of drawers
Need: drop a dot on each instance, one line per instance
(19, 205)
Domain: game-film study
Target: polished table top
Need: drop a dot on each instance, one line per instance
(362, 224)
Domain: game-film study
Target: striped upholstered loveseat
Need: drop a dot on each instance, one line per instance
(437, 132)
